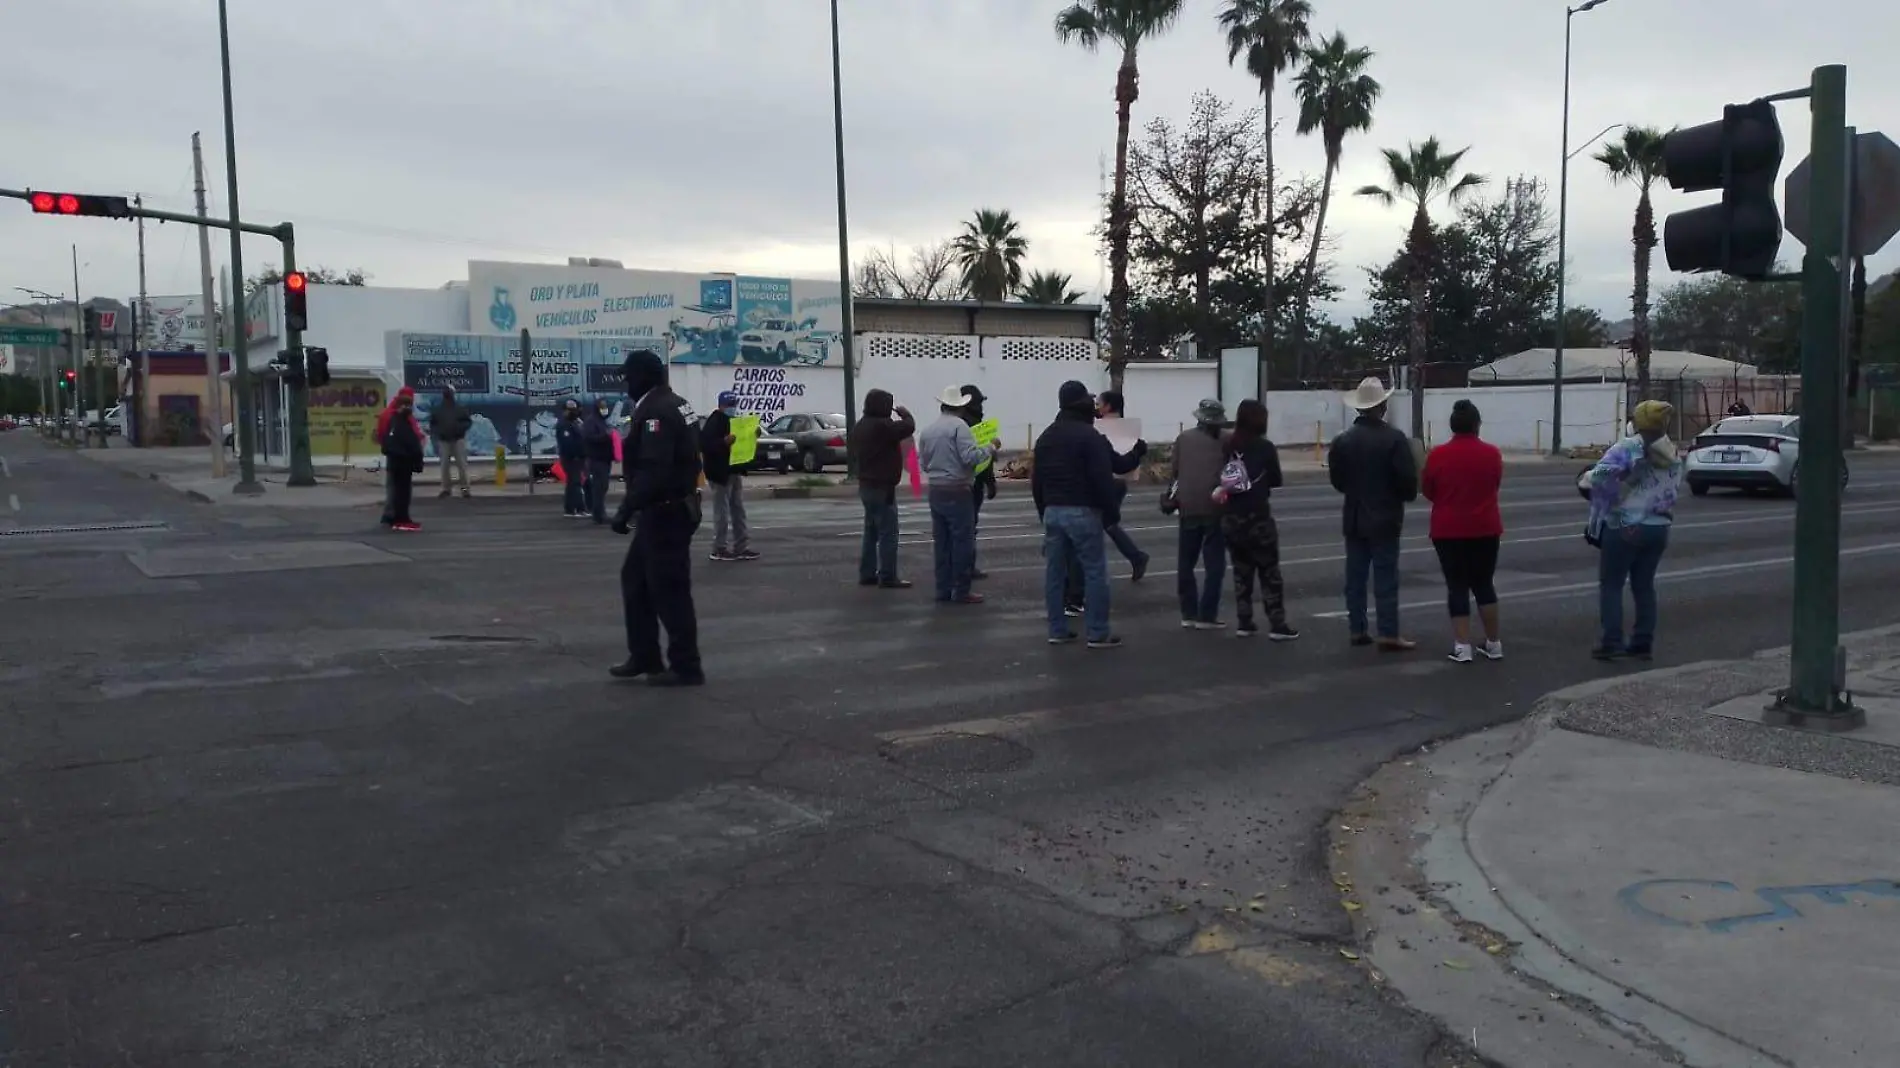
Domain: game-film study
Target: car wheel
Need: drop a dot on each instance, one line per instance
(809, 463)
(1700, 489)
(784, 355)
(784, 467)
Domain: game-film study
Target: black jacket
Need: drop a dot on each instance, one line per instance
(402, 445)
(713, 450)
(1263, 472)
(449, 421)
(661, 454)
(1371, 463)
(597, 438)
(1075, 467)
(568, 441)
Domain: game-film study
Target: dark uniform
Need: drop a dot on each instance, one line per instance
(983, 486)
(661, 507)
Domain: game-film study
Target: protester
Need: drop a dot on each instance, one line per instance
(877, 441)
(1461, 479)
(597, 436)
(983, 487)
(1073, 484)
(727, 480)
(1109, 405)
(1198, 455)
(662, 510)
(1632, 505)
(570, 448)
(1373, 465)
(401, 439)
(1248, 478)
(949, 455)
(449, 424)
(1123, 463)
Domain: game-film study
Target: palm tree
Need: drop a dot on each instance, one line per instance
(1336, 98)
(1272, 34)
(1125, 24)
(1420, 175)
(989, 254)
(1047, 287)
(1638, 160)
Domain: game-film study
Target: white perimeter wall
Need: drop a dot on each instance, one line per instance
(1515, 417)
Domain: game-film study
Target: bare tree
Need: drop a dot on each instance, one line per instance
(928, 272)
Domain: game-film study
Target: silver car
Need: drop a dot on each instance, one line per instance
(1748, 452)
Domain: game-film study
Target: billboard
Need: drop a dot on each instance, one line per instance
(514, 403)
(690, 318)
(171, 323)
(343, 416)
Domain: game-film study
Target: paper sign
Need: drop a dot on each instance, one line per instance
(1121, 433)
(745, 439)
(916, 472)
(986, 432)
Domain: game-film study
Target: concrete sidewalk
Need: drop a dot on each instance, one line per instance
(1641, 873)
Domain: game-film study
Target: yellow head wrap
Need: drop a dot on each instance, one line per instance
(1652, 416)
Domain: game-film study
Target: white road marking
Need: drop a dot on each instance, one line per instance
(1541, 592)
(13, 501)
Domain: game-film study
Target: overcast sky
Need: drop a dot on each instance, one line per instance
(695, 135)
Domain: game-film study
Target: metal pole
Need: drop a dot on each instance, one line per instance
(77, 433)
(297, 385)
(1816, 693)
(527, 402)
(143, 311)
(844, 240)
(1563, 265)
(243, 402)
(214, 381)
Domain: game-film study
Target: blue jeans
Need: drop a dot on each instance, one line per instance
(1072, 533)
(1381, 557)
(1629, 555)
(1201, 539)
(877, 559)
(953, 536)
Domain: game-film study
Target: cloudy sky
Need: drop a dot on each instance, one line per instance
(694, 135)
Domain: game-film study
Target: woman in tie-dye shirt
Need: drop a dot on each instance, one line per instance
(1632, 504)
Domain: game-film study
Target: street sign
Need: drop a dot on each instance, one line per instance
(30, 335)
(108, 323)
(1876, 195)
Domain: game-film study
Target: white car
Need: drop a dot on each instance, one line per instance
(1748, 452)
(770, 341)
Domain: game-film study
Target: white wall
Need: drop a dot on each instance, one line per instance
(1515, 417)
(353, 321)
(1164, 395)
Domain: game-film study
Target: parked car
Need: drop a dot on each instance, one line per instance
(1749, 452)
(818, 441)
(774, 454)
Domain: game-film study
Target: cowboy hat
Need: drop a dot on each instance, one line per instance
(953, 397)
(1211, 412)
(1370, 394)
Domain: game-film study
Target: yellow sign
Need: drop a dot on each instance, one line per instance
(986, 432)
(745, 439)
(343, 416)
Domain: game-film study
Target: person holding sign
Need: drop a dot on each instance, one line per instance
(983, 487)
(1124, 436)
(727, 443)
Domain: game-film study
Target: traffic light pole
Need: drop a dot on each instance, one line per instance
(301, 472)
(1817, 692)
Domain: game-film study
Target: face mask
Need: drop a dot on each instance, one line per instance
(730, 411)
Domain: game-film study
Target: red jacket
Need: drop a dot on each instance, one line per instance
(1461, 480)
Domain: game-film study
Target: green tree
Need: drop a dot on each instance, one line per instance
(1124, 24)
(989, 255)
(1756, 323)
(1638, 159)
(271, 275)
(1420, 175)
(1584, 328)
(1272, 34)
(1047, 287)
(1336, 98)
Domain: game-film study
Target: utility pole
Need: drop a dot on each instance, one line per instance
(142, 312)
(247, 484)
(214, 382)
(78, 434)
(844, 240)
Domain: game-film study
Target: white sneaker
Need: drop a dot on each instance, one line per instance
(1493, 650)
(1460, 653)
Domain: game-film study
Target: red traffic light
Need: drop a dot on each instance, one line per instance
(294, 281)
(68, 204)
(80, 204)
(44, 203)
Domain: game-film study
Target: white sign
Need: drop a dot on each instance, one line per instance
(6, 359)
(690, 318)
(1121, 433)
(171, 323)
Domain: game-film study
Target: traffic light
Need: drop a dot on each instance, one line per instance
(67, 378)
(296, 301)
(1740, 155)
(317, 367)
(291, 360)
(80, 204)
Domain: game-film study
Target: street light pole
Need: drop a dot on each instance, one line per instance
(242, 402)
(1563, 222)
(844, 241)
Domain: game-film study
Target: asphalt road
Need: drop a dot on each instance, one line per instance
(383, 807)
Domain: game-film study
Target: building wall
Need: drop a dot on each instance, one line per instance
(351, 321)
(174, 382)
(1004, 321)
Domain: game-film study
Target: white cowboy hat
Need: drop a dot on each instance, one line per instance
(1370, 394)
(953, 397)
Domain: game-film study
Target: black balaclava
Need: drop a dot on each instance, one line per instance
(644, 370)
(878, 404)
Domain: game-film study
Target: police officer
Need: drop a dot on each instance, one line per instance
(661, 508)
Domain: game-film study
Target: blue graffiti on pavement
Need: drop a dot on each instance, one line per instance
(1779, 900)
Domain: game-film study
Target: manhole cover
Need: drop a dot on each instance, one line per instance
(961, 753)
(80, 528)
(478, 639)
